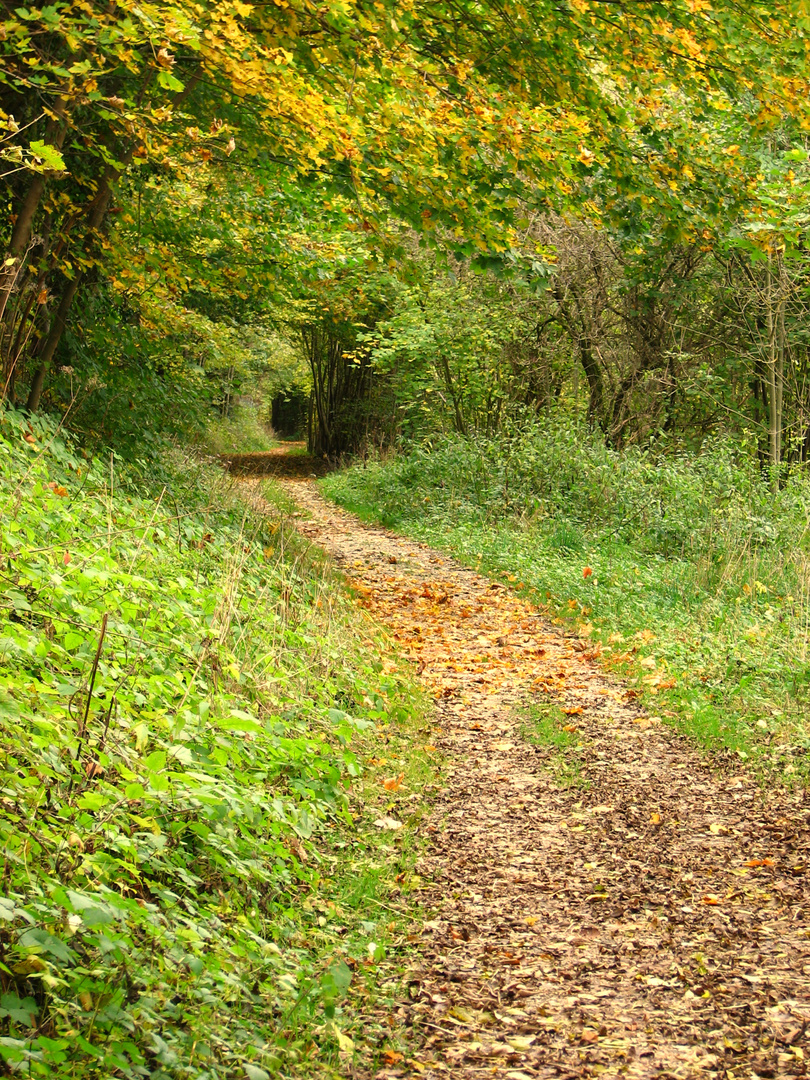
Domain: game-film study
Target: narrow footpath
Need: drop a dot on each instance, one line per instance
(643, 913)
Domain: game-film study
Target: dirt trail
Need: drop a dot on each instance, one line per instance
(288, 460)
(648, 918)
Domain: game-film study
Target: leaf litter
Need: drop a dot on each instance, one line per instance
(650, 920)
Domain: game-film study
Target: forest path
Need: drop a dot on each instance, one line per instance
(289, 460)
(643, 915)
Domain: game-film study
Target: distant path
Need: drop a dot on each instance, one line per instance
(286, 460)
(648, 919)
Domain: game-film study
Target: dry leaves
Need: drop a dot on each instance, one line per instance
(648, 921)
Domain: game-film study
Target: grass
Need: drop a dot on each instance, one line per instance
(546, 726)
(198, 731)
(243, 431)
(689, 576)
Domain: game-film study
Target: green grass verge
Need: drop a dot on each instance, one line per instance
(196, 727)
(691, 579)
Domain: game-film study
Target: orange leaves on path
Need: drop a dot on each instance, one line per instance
(614, 906)
(485, 636)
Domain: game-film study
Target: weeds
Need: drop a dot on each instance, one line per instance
(548, 728)
(195, 732)
(243, 432)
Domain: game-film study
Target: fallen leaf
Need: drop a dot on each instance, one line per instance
(520, 1042)
(344, 1042)
(388, 823)
(394, 783)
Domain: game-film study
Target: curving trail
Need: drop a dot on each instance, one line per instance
(643, 915)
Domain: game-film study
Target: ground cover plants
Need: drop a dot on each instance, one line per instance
(242, 430)
(197, 738)
(689, 575)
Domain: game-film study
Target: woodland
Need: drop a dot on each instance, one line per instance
(409, 218)
(531, 280)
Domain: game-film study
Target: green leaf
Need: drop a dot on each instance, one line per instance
(156, 761)
(241, 721)
(169, 82)
(42, 941)
(49, 156)
(253, 1072)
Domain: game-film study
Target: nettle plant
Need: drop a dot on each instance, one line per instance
(169, 737)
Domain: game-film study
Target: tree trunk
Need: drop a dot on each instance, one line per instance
(57, 328)
(55, 132)
(96, 212)
(774, 369)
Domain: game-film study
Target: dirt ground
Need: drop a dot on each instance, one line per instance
(629, 908)
(288, 460)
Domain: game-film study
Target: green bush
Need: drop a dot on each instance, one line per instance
(555, 470)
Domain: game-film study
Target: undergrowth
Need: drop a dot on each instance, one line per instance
(689, 575)
(196, 733)
(241, 432)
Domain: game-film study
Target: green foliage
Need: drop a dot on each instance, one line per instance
(242, 431)
(699, 590)
(184, 722)
(550, 730)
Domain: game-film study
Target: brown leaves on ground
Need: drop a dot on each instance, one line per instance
(648, 920)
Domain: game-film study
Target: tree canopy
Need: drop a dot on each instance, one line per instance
(194, 178)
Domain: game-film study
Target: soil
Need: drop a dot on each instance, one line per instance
(626, 906)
